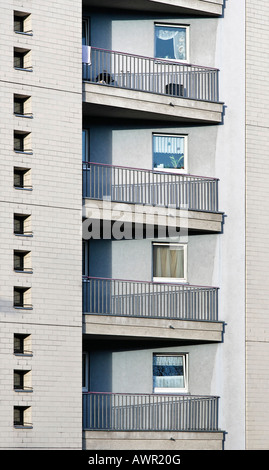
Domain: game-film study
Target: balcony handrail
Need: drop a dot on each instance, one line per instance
(152, 75)
(149, 412)
(152, 394)
(184, 284)
(153, 171)
(149, 187)
(137, 299)
(156, 59)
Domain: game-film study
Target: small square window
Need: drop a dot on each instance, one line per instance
(22, 344)
(22, 142)
(171, 42)
(22, 105)
(22, 59)
(22, 416)
(169, 262)
(22, 380)
(22, 297)
(22, 261)
(22, 224)
(22, 22)
(170, 153)
(22, 178)
(170, 374)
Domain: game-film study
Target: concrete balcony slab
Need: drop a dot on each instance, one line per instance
(197, 7)
(152, 328)
(107, 101)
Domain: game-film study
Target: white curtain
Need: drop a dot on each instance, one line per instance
(168, 262)
(179, 40)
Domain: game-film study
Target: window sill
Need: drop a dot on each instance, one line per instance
(23, 354)
(28, 33)
(24, 234)
(24, 69)
(24, 271)
(22, 308)
(24, 152)
(22, 390)
(23, 426)
(24, 188)
(27, 116)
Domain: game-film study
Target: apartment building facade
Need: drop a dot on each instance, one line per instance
(131, 267)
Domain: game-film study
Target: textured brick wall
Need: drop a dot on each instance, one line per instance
(257, 229)
(55, 207)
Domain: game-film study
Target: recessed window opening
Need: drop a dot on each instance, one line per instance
(22, 416)
(22, 59)
(22, 142)
(22, 261)
(22, 22)
(22, 178)
(23, 105)
(22, 297)
(22, 224)
(23, 380)
(22, 344)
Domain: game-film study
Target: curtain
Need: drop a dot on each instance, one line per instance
(168, 144)
(168, 261)
(178, 37)
(168, 372)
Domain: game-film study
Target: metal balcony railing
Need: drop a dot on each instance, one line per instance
(144, 412)
(117, 297)
(153, 75)
(139, 186)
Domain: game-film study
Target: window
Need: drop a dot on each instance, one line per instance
(22, 22)
(22, 297)
(22, 105)
(22, 416)
(171, 42)
(170, 373)
(22, 225)
(170, 153)
(22, 261)
(22, 59)
(86, 31)
(22, 142)
(22, 344)
(169, 262)
(22, 178)
(22, 380)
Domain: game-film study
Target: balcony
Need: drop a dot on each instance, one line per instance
(142, 198)
(117, 84)
(151, 421)
(184, 7)
(144, 310)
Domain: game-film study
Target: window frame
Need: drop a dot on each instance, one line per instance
(85, 371)
(185, 146)
(187, 39)
(171, 280)
(166, 390)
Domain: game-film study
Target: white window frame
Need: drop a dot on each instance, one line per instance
(184, 389)
(174, 25)
(171, 279)
(185, 145)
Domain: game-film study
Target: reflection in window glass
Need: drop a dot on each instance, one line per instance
(170, 42)
(169, 372)
(169, 152)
